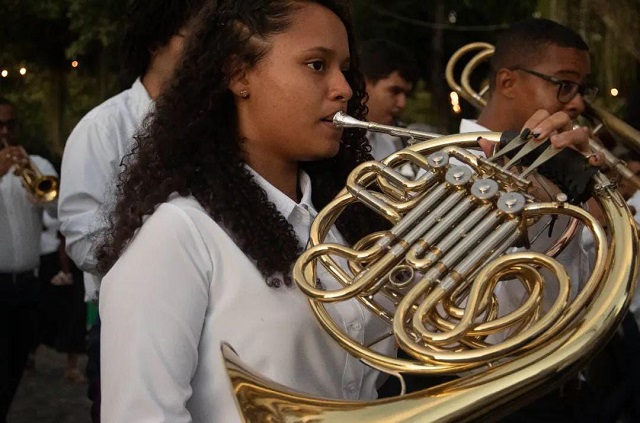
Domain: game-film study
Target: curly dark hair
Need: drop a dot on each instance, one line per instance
(191, 141)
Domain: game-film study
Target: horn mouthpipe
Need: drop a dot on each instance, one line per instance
(342, 120)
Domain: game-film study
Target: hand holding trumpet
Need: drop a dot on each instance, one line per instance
(10, 156)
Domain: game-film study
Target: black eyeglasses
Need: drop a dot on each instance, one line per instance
(567, 90)
(10, 124)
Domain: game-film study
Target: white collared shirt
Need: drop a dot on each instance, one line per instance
(90, 165)
(21, 221)
(182, 287)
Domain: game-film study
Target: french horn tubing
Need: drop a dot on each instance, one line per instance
(432, 278)
(602, 118)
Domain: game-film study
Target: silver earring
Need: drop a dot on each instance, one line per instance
(244, 93)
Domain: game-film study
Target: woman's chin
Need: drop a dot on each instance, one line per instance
(327, 153)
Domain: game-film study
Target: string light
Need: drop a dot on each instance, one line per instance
(75, 64)
(23, 71)
(455, 102)
(4, 73)
(614, 92)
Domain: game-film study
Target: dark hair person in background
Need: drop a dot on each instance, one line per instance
(390, 71)
(151, 48)
(20, 228)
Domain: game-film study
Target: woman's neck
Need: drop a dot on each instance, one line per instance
(280, 174)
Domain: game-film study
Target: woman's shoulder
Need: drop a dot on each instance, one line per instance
(184, 219)
(179, 228)
(187, 204)
(180, 213)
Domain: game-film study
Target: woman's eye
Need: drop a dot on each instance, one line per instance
(316, 65)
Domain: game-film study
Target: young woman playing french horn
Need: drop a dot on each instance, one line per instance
(211, 215)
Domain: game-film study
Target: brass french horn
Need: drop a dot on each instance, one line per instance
(432, 276)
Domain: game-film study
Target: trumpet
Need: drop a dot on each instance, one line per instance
(603, 119)
(42, 187)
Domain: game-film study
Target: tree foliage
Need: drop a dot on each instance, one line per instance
(46, 35)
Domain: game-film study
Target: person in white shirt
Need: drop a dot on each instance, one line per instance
(152, 43)
(553, 79)
(20, 228)
(390, 72)
(215, 208)
(550, 74)
(540, 64)
(240, 154)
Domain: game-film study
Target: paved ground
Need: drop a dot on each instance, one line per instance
(45, 397)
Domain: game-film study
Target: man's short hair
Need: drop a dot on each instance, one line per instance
(150, 24)
(525, 42)
(380, 58)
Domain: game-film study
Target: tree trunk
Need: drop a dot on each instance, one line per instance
(438, 86)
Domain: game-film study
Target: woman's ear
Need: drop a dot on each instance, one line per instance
(238, 81)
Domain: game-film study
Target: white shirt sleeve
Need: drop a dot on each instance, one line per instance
(154, 301)
(90, 160)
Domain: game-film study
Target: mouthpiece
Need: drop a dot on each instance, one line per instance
(343, 120)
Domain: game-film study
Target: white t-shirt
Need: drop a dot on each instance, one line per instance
(182, 287)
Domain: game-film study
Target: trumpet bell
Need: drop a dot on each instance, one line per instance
(46, 188)
(43, 187)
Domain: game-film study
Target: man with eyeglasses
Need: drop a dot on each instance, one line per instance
(538, 67)
(539, 64)
(20, 229)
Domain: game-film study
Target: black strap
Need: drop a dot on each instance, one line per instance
(568, 169)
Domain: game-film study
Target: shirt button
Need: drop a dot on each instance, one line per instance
(356, 326)
(351, 388)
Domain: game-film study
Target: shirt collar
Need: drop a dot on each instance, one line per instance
(283, 203)
(141, 99)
